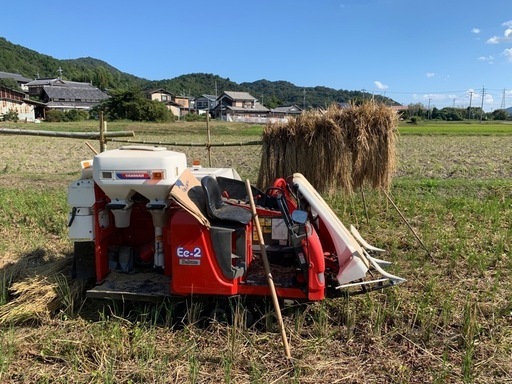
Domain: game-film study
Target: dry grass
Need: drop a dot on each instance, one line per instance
(341, 148)
(451, 322)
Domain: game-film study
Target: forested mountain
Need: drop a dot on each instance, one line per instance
(31, 64)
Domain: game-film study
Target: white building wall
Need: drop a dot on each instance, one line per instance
(25, 111)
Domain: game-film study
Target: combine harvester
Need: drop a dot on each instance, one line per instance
(146, 227)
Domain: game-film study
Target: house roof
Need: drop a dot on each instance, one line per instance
(209, 97)
(238, 95)
(191, 98)
(158, 90)
(173, 104)
(57, 81)
(73, 93)
(46, 81)
(14, 76)
(287, 109)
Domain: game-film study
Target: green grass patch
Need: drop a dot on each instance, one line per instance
(456, 129)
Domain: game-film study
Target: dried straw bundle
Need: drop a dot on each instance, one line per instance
(339, 148)
(38, 289)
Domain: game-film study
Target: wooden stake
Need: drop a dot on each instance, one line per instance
(91, 148)
(208, 144)
(102, 133)
(365, 207)
(268, 274)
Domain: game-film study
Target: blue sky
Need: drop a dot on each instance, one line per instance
(434, 52)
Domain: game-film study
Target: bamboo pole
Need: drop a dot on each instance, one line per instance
(268, 274)
(91, 147)
(69, 135)
(102, 132)
(365, 206)
(209, 143)
(177, 144)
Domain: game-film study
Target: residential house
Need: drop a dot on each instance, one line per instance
(286, 111)
(205, 103)
(22, 81)
(186, 102)
(160, 94)
(17, 101)
(168, 99)
(65, 95)
(240, 106)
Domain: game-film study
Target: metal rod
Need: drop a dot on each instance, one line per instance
(268, 274)
(361, 283)
(409, 225)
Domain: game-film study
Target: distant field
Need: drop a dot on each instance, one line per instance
(456, 128)
(451, 322)
(443, 151)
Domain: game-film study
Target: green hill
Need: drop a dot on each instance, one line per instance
(31, 64)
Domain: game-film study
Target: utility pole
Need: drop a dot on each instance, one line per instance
(482, 106)
(470, 99)
(428, 115)
(503, 100)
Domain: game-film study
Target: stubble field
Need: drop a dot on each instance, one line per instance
(451, 322)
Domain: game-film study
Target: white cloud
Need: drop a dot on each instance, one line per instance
(488, 99)
(508, 54)
(380, 86)
(507, 35)
(435, 97)
(493, 40)
(430, 74)
(475, 31)
(489, 59)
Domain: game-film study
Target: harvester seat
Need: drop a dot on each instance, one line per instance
(217, 208)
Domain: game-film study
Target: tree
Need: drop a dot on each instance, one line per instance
(499, 114)
(272, 102)
(11, 115)
(10, 83)
(132, 105)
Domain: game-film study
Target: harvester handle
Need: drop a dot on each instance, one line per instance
(73, 215)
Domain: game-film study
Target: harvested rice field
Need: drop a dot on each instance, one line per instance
(451, 322)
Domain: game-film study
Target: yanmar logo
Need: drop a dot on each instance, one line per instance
(140, 175)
